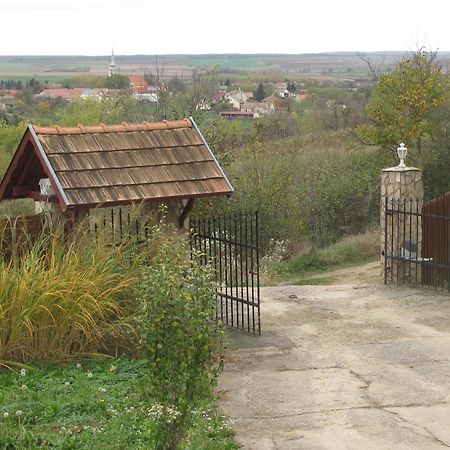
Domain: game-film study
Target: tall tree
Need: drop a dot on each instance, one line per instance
(260, 93)
(291, 86)
(117, 81)
(403, 105)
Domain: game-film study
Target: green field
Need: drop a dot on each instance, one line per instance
(344, 64)
(227, 61)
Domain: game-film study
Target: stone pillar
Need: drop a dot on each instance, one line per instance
(403, 187)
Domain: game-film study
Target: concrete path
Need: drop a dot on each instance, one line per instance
(342, 367)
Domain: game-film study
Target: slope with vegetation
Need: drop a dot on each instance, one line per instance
(311, 169)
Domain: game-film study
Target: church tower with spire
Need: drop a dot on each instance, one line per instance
(112, 65)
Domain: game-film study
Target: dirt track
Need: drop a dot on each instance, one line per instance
(349, 366)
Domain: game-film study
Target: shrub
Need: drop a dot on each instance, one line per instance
(307, 189)
(178, 335)
(9, 139)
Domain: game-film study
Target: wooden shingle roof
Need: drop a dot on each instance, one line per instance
(128, 163)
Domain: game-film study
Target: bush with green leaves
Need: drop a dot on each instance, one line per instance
(178, 335)
(9, 139)
(314, 189)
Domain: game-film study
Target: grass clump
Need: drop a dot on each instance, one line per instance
(60, 297)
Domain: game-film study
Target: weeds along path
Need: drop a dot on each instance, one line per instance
(351, 365)
(367, 273)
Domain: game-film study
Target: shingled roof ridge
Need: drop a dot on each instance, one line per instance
(123, 127)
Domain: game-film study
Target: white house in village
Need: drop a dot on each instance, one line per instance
(236, 98)
(256, 107)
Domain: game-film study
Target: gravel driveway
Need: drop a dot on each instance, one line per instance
(354, 366)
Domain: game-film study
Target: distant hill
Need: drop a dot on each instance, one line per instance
(334, 65)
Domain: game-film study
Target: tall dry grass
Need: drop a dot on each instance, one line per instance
(64, 297)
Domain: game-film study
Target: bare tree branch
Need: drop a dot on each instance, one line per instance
(375, 68)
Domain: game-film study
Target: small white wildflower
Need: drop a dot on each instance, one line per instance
(113, 368)
(112, 411)
(78, 366)
(66, 383)
(23, 372)
(101, 389)
(6, 414)
(23, 387)
(19, 413)
(89, 374)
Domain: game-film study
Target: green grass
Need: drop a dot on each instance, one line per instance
(98, 405)
(231, 61)
(355, 249)
(348, 252)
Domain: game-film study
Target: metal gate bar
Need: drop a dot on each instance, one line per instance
(417, 242)
(230, 244)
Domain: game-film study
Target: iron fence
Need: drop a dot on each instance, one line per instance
(120, 224)
(417, 242)
(230, 244)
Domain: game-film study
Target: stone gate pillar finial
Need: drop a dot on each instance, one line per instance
(402, 151)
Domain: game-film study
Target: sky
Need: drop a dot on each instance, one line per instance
(92, 27)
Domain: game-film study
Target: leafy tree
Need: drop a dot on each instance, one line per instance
(176, 84)
(91, 111)
(150, 78)
(117, 81)
(402, 105)
(34, 85)
(437, 160)
(260, 93)
(25, 95)
(90, 81)
(43, 107)
(9, 139)
(292, 86)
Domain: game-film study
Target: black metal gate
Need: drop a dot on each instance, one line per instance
(417, 242)
(230, 244)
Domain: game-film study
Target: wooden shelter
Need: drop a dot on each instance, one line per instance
(80, 168)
